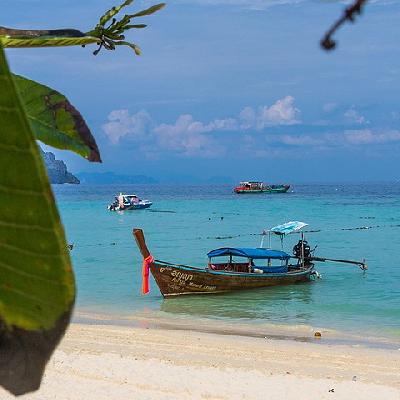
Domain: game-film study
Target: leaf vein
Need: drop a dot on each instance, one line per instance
(29, 252)
(8, 189)
(24, 226)
(28, 274)
(14, 148)
(34, 298)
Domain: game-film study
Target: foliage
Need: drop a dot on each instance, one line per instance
(108, 37)
(54, 120)
(113, 35)
(37, 289)
(350, 12)
(36, 280)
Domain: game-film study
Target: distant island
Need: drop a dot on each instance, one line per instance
(111, 178)
(57, 170)
(108, 178)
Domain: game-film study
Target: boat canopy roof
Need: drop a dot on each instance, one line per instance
(288, 227)
(257, 253)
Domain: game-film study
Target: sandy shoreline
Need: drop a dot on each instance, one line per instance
(104, 362)
(290, 332)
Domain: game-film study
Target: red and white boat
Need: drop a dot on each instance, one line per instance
(260, 187)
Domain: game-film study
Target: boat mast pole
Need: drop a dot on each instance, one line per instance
(302, 249)
(264, 233)
(141, 243)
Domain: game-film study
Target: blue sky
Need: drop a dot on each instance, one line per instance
(235, 88)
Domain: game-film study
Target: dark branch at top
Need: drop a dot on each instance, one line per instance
(34, 33)
(349, 14)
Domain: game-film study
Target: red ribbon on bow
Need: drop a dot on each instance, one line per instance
(145, 273)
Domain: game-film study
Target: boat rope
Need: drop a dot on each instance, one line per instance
(145, 273)
(72, 246)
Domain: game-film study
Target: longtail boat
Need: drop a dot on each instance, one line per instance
(243, 269)
(259, 187)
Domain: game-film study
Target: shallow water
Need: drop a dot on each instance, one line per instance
(185, 223)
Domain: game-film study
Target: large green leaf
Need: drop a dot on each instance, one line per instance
(54, 120)
(36, 281)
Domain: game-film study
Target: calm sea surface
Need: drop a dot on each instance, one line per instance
(185, 222)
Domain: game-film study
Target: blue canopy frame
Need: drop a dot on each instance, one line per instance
(256, 254)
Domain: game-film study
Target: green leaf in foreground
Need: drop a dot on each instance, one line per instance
(37, 288)
(55, 121)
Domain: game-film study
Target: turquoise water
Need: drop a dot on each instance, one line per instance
(185, 223)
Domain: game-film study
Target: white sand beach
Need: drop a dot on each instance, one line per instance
(109, 362)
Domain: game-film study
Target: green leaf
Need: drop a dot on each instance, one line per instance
(133, 46)
(55, 121)
(105, 37)
(149, 11)
(37, 288)
(114, 11)
(18, 38)
(137, 26)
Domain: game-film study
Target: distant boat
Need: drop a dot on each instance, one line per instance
(259, 187)
(127, 202)
(241, 268)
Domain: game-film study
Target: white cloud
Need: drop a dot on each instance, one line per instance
(366, 136)
(360, 137)
(185, 136)
(191, 137)
(247, 118)
(352, 115)
(283, 112)
(186, 123)
(122, 124)
(298, 140)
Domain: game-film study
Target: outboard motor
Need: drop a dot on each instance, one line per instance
(298, 252)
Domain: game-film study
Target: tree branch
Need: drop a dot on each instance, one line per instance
(350, 13)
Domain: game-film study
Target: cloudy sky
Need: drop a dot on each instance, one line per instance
(234, 88)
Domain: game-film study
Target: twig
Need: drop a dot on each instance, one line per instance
(349, 14)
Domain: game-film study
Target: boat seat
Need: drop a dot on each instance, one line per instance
(272, 269)
(234, 267)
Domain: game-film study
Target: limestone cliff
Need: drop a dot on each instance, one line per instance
(57, 170)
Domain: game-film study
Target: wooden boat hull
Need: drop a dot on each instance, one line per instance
(268, 190)
(174, 280)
